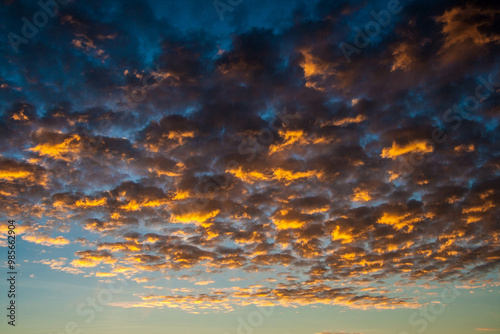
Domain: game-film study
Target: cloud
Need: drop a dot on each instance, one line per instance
(58, 146)
(92, 258)
(204, 282)
(60, 264)
(265, 156)
(45, 240)
(467, 25)
(397, 150)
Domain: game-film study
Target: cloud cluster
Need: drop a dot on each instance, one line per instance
(206, 175)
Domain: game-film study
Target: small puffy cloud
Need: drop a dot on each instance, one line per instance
(91, 258)
(204, 282)
(45, 240)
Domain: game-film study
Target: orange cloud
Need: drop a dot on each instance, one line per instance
(204, 282)
(120, 247)
(194, 217)
(13, 175)
(361, 195)
(402, 57)
(20, 115)
(62, 150)
(92, 258)
(287, 219)
(479, 208)
(421, 146)
(342, 234)
(346, 121)
(103, 274)
(316, 71)
(464, 148)
(46, 240)
(459, 26)
(90, 202)
(249, 176)
(399, 221)
(290, 137)
(288, 175)
(133, 205)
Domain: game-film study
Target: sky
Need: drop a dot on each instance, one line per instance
(235, 166)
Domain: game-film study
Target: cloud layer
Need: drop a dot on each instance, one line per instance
(169, 151)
